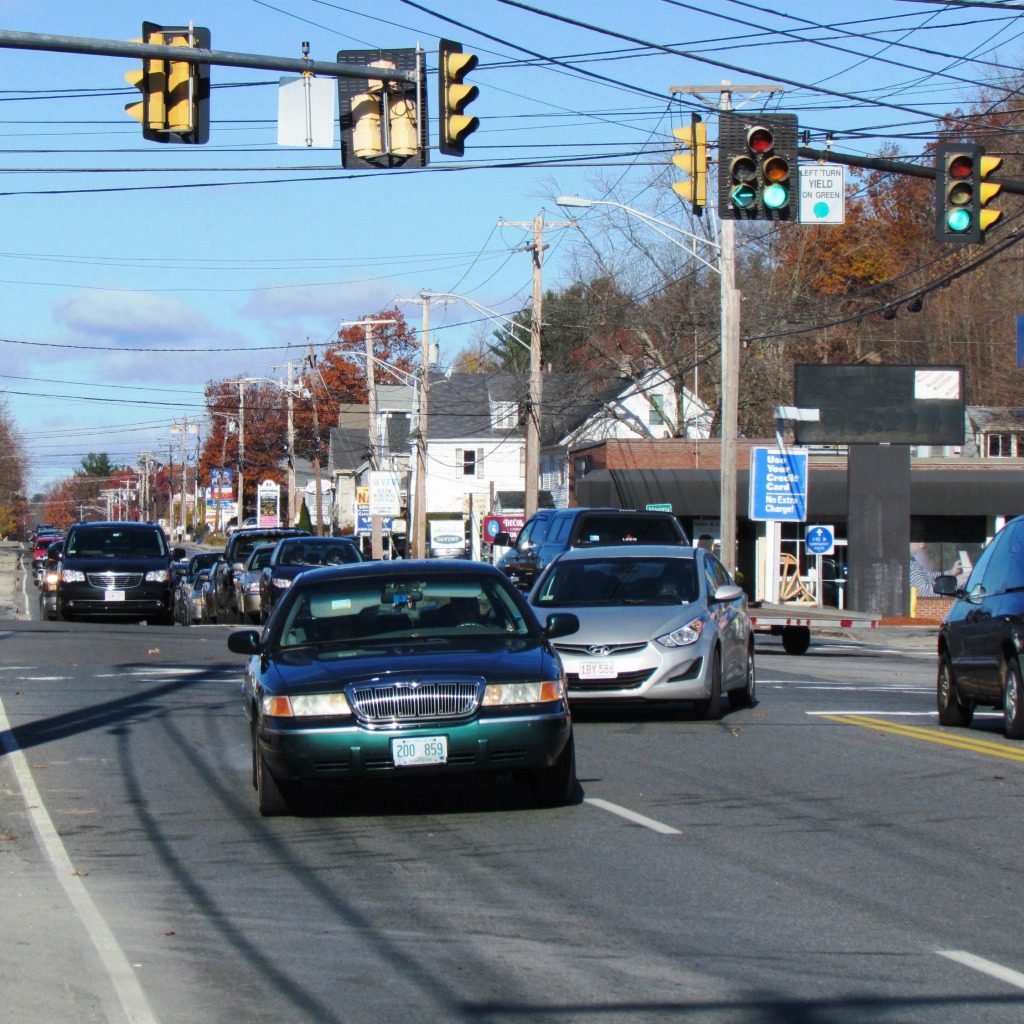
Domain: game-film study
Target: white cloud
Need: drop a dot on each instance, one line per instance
(133, 318)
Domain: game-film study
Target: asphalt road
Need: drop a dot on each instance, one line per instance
(828, 855)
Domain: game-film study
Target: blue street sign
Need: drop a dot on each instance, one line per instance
(778, 485)
(820, 540)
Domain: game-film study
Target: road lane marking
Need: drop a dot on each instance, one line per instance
(989, 967)
(637, 819)
(126, 985)
(962, 741)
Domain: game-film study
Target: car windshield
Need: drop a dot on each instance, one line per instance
(114, 542)
(587, 583)
(247, 543)
(325, 551)
(260, 556)
(410, 609)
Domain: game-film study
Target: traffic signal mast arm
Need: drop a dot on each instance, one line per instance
(895, 166)
(220, 58)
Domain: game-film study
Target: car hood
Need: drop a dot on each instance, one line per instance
(622, 623)
(497, 661)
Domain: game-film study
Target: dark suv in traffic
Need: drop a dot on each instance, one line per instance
(236, 552)
(982, 635)
(120, 569)
(550, 531)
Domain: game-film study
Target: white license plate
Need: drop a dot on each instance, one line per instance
(598, 670)
(415, 750)
(113, 595)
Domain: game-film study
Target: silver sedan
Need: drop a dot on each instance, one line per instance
(656, 623)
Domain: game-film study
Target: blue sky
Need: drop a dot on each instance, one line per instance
(131, 273)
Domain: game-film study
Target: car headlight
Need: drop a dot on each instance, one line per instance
(72, 576)
(282, 583)
(307, 705)
(253, 587)
(52, 578)
(504, 694)
(684, 635)
(158, 576)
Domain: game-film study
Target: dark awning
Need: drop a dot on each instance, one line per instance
(697, 492)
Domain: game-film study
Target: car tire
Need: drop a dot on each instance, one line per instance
(953, 712)
(711, 708)
(64, 616)
(796, 639)
(746, 695)
(276, 797)
(1013, 701)
(556, 786)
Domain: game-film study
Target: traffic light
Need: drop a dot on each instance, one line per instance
(454, 95)
(383, 124)
(175, 103)
(962, 192)
(757, 167)
(692, 160)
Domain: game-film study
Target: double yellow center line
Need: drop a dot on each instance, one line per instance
(961, 739)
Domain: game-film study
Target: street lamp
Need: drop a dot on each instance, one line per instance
(730, 347)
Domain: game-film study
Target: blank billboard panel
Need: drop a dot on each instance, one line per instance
(880, 404)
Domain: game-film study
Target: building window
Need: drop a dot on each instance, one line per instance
(504, 415)
(999, 446)
(469, 462)
(656, 413)
(583, 464)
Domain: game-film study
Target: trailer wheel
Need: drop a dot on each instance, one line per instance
(796, 639)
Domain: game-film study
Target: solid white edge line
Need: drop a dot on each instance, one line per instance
(126, 986)
(637, 819)
(977, 963)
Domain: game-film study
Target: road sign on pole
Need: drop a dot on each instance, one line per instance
(822, 194)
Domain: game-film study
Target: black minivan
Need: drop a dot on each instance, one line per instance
(549, 532)
(116, 569)
(982, 635)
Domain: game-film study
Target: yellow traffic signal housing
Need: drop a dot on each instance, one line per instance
(692, 160)
(175, 103)
(383, 123)
(987, 192)
(962, 192)
(454, 95)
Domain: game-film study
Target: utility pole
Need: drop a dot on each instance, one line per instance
(314, 401)
(289, 390)
(729, 313)
(535, 394)
(418, 532)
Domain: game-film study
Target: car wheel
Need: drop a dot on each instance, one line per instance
(796, 639)
(556, 786)
(276, 797)
(952, 711)
(711, 709)
(1013, 702)
(63, 615)
(745, 696)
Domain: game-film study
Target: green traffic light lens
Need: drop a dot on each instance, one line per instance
(743, 197)
(958, 220)
(775, 197)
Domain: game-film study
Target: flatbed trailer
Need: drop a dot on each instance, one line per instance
(794, 622)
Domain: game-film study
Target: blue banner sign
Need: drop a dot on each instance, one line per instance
(778, 485)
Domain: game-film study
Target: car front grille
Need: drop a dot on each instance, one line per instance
(411, 702)
(606, 650)
(114, 580)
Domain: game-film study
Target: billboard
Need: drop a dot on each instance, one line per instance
(892, 404)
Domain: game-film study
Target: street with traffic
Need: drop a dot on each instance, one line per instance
(829, 854)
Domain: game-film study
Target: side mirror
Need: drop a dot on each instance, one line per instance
(560, 624)
(945, 586)
(727, 592)
(179, 554)
(244, 641)
(502, 540)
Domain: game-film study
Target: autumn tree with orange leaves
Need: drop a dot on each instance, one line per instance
(324, 381)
